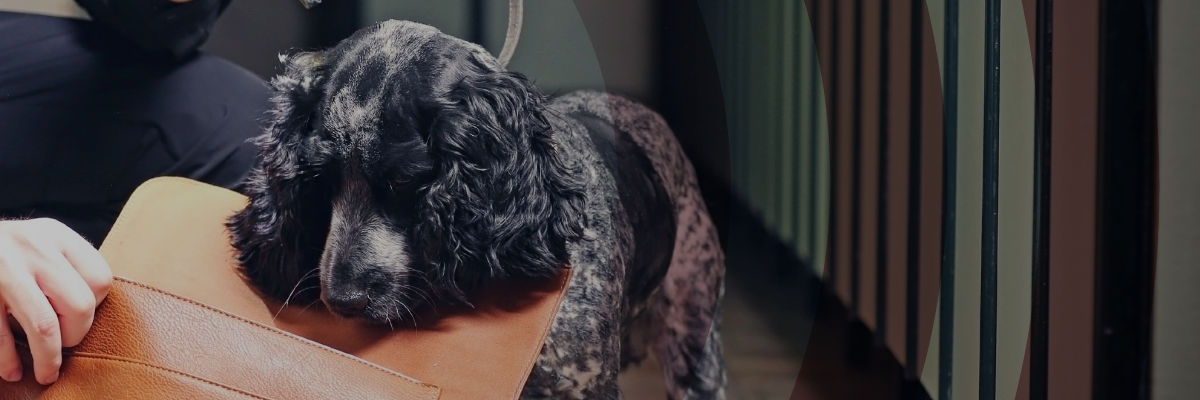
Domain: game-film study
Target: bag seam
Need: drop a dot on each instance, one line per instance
(137, 197)
(144, 364)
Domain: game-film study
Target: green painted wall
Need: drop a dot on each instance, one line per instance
(1176, 345)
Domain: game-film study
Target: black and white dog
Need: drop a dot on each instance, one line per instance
(404, 167)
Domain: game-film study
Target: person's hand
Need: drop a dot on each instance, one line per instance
(51, 280)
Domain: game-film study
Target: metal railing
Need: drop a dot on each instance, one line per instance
(809, 115)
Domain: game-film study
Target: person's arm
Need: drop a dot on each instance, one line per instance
(51, 281)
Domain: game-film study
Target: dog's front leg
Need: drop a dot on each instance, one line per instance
(567, 377)
(581, 356)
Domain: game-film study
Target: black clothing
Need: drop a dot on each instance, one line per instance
(85, 117)
(159, 26)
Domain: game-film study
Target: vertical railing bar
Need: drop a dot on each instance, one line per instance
(950, 203)
(753, 112)
(914, 189)
(733, 21)
(730, 53)
(782, 122)
(747, 106)
(771, 120)
(767, 115)
(1040, 349)
(881, 243)
(991, 186)
(739, 66)
(729, 90)
(766, 118)
(798, 144)
(815, 90)
(856, 170)
(726, 48)
(758, 113)
(476, 14)
(782, 132)
(1126, 201)
(746, 66)
(732, 49)
(771, 116)
(834, 109)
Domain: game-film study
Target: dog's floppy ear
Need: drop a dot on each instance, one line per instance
(503, 202)
(276, 254)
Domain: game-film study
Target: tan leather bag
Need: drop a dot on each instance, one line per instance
(180, 322)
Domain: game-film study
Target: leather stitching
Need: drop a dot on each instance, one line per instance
(274, 331)
(135, 362)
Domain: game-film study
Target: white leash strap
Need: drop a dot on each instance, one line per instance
(515, 13)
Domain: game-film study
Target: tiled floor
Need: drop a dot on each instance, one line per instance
(772, 325)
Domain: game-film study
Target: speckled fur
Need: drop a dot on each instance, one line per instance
(681, 325)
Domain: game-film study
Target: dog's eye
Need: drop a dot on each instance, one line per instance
(403, 180)
(400, 183)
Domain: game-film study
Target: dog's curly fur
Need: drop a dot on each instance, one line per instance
(403, 168)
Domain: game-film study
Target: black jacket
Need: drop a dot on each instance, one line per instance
(85, 117)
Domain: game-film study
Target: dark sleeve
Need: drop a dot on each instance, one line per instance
(159, 26)
(87, 119)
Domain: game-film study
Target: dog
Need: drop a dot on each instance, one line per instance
(403, 168)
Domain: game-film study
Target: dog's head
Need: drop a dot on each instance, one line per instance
(399, 168)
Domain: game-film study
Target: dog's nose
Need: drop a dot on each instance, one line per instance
(347, 303)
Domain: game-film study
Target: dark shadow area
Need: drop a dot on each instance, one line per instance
(765, 278)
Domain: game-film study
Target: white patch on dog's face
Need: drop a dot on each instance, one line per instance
(385, 249)
(368, 240)
(365, 266)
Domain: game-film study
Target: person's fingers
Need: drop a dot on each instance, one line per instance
(32, 310)
(51, 280)
(88, 262)
(70, 297)
(10, 363)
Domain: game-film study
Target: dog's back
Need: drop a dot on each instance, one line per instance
(652, 268)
